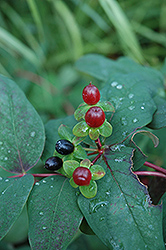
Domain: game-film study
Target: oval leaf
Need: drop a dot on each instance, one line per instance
(22, 131)
(89, 191)
(14, 193)
(53, 218)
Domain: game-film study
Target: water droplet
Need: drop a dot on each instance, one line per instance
(131, 96)
(94, 207)
(44, 228)
(108, 192)
(9, 151)
(113, 84)
(0, 178)
(37, 183)
(1, 142)
(51, 186)
(124, 133)
(2, 148)
(135, 120)
(5, 159)
(119, 86)
(32, 134)
(131, 107)
(91, 189)
(102, 218)
(41, 213)
(28, 144)
(124, 122)
(142, 107)
(44, 181)
(52, 178)
(3, 192)
(7, 180)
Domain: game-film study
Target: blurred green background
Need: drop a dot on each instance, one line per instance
(40, 40)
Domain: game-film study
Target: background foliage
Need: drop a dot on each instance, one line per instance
(41, 40)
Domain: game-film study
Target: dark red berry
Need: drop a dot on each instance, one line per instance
(53, 163)
(82, 176)
(95, 117)
(91, 94)
(64, 147)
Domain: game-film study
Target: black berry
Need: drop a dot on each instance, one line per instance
(53, 163)
(64, 147)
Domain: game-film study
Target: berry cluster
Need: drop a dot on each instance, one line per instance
(70, 158)
(92, 111)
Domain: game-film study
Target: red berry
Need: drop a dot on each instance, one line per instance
(95, 117)
(82, 176)
(91, 94)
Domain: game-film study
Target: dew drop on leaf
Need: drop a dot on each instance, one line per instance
(0, 178)
(124, 122)
(44, 181)
(7, 180)
(114, 84)
(119, 86)
(41, 213)
(37, 183)
(5, 159)
(44, 228)
(32, 134)
(135, 120)
(131, 107)
(1, 142)
(131, 96)
(51, 186)
(142, 107)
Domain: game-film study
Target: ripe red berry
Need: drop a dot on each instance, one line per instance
(91, 94)
(53, 163)
(82, 176)
(95, 117)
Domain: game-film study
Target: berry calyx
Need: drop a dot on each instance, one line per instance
(64, 147)
(95, 117)
(82, 176)
(91, 94)
(53, 163)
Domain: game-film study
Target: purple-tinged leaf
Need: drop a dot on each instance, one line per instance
(121, 214)
(22, 131)
(54, 216)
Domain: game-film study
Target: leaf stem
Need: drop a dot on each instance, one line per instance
(98, 143)
(151, 165)
(96, 158)
(150, 173)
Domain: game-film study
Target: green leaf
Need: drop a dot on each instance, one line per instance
(69, 166)
(81, 111)
(81, 129)
(65, 132)
(89, 191)
(122, 205)
(72, 183)
(94, 133)
(97, 171)
(14, 194)
(107, 106)
(163, 200)
(159, 120)
(22, 133)
(86, 163)
(51, 129)
(132, 96)
(106, 129)
(79, 152)
(53, 218)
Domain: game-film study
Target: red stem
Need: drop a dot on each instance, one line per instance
(150, 173)
(94, 153)
(151, 165)
(96, 158)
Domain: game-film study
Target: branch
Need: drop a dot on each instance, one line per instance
(157, 168)
(150, 173)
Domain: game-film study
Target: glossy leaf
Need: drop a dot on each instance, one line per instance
(65, 132)
(53, 218)
(79, 152)
(94, 133)
(69, 166)
(14, 194)
(97, 171)
(81, 111)
(121, 214)
(85, 163)
(106, 129)
(89, 191)
(22, 131)
(81, 129)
